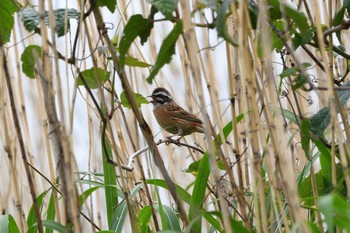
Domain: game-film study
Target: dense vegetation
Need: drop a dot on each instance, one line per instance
(269, 78)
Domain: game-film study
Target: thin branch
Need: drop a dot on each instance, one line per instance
(129, 166)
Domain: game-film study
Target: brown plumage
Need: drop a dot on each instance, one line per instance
(171, 117)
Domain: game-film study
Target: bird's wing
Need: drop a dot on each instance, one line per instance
(178, 112)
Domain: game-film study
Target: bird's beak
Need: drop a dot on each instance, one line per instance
(152, 100)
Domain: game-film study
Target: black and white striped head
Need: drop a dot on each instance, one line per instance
(161, 95)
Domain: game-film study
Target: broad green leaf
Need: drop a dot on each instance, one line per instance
(136, 26)
(166, 7)
(31, 19)
(31, 219)
(93, 77)
(221, 27)
(238, 226)
(7, 9)
(305, 191)
(277, 43)
(300, 81)
(298, 18)
(320, 121)
(139, 100)
(110, 182)
(110, 4)
(61, 21)
(198, 194)
(172, 221)
(28, 60)
(50, 224)
(339, 17)
(134, 62)
(307, 37)
(144, 217)
(336, 212)
(8, 224)
(289, 71)
(166, 51)
(119, 216)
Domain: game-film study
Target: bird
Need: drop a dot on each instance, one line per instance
(171, 117)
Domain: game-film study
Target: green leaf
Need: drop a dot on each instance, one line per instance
(110, 182)
(336, 211)
(291, 116)
(110, 4)
(298, 18)
(136, 26)
(28, 60)
(166, 7)
(172, 221)
(305, 137)
(346, 4)
(181, 193)
(134, 62)
(8, 224)
(84, 196)
(7, 9)
(228, 127)
(61, 21)
(93, 77)
(221, 22)
(198, 193)
(119, 216)
(289, 72)
(167, 49)
(193, 167)
(339, 17)
(320, 121)
(186, 197)
(300, 81)
(50, 224)
(302, 39)
(51, 212)
(31, 19)
(326, 165)
(139, 100)
(144, 217)
(31, 219)
(338, 20)
(313, 227)
(238, 226)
